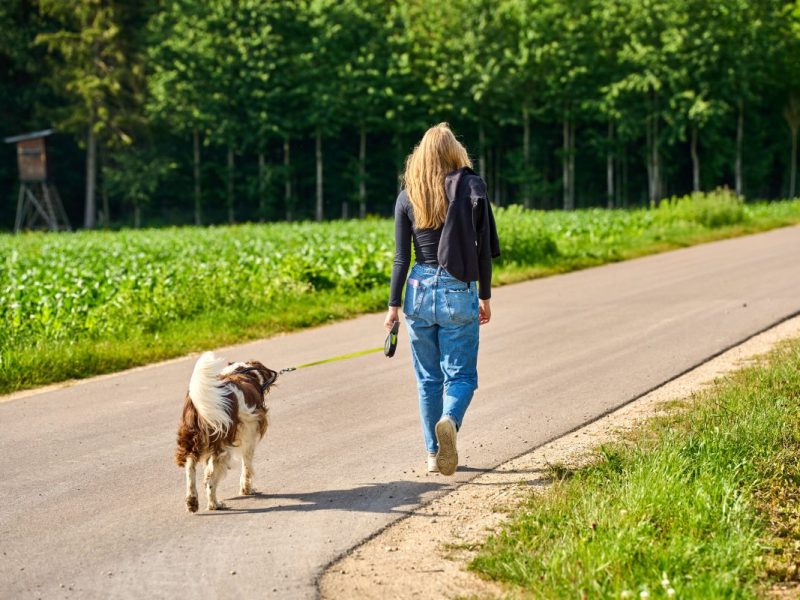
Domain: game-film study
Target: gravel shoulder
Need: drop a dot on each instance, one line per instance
(425, 554)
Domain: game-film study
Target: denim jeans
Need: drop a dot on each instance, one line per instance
(442, 321)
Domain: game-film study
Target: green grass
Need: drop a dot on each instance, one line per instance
(75, 305)
(705, 501)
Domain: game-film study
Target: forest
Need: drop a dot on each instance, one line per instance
(172, 112)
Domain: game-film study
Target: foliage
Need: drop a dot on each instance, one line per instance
(73, 295)
(675, 508)
(716, 209)
(91, 66)
(642, 97)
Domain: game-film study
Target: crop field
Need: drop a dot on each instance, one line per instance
(73, 305)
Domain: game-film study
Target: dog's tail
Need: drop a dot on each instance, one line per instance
(209, 394)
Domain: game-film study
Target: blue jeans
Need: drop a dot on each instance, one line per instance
(442, 321)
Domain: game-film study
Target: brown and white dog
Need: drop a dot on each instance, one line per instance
(224, 416)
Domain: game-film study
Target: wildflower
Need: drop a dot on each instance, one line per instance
(664, 580)
(670, 593)
(626, 594)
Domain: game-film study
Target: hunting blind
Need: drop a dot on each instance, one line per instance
(38, 203)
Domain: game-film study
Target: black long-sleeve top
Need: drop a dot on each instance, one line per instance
(464, 245)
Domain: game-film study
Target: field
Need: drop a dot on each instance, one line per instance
(74, 305)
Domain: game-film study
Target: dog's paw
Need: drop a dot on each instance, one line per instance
(247, 490)
(217, 506)
(191, 504)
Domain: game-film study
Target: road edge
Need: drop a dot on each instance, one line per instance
(445, 531)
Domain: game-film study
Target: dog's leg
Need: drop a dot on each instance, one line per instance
(216, 467)
(246, 480)
(191, 485)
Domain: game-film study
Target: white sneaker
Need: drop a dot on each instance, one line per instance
(447, 457)
(432, 466)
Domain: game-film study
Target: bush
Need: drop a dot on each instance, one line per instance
(523, 237)
(715, 209)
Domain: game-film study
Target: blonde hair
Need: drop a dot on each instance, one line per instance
(436, 155)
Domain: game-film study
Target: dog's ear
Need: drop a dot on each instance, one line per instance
(268, 374)
(271, 376)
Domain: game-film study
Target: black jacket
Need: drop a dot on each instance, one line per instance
(469, 236)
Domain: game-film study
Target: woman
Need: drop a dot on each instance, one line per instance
(443, 208)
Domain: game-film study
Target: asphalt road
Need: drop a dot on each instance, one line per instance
(91, 503)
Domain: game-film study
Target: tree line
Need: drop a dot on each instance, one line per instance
(189, 111)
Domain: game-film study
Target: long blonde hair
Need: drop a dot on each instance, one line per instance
(436, 155)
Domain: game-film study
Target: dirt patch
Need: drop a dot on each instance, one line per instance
(425, 554)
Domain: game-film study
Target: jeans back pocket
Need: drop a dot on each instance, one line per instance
(462, 304)
(415, 293)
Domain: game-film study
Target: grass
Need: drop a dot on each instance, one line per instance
(702, 503)
(76, 305)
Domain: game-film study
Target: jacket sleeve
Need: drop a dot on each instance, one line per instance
(488, 243)
(402, 251)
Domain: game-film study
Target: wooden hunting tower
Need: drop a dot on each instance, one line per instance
(38, 203)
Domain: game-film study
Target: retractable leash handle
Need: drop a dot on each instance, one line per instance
(390, 345)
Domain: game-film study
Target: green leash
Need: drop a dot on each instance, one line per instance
(330, 360)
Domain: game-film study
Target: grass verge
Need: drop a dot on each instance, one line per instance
(702, 503)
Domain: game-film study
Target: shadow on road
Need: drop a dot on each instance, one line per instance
(376, 497)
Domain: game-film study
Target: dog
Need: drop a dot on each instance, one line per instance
(224, 416)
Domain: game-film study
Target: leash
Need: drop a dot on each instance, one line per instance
(330, 360)
(266, 384)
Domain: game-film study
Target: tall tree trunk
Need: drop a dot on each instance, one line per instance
(618, 175)
(649, 158)
(482, 145)
(319, 212)
(104, 188)
(90, 209)
(287, 182)
(496, 190)
(262, 186)
(739, 138)
(399, 150)
(565, 134)
(653, 160)
(793, 166)
(624, 158)
(198, 216)
(610, 166)
(526, 157)
(231, 166)
(656, 164)
(362, 174)
(695, 162)
(572, 164)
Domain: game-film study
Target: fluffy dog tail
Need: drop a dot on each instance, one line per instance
(208, 393)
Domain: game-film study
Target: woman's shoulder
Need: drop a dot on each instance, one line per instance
(402, 205)
(472, 184)
(402, 201)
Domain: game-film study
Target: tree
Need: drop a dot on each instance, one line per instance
(363, 77)
(791, 71)
(747, 34)
(569, 65)
(91, 68)
(325, 110)
(644, 83)
(180, 56)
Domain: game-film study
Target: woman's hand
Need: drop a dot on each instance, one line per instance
(485, 311)
(391, 317)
